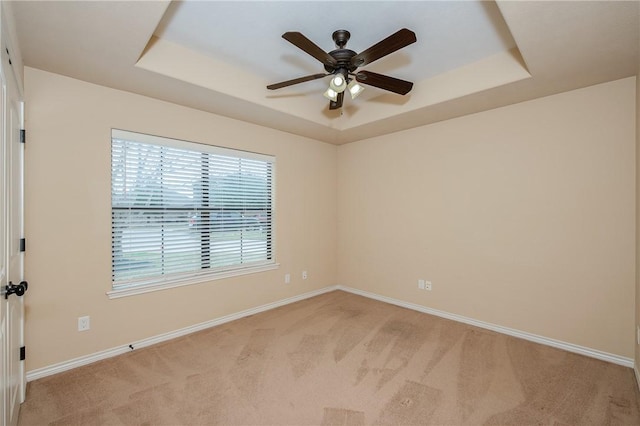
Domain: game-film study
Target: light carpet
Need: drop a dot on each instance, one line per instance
(339, 359)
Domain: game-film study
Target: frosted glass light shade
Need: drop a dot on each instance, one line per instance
(331, 94)
(338, 83)
(355, 89)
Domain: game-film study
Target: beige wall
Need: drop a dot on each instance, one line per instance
(67, 220)
(523, 216)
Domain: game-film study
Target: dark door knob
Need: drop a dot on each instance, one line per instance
(18, 289)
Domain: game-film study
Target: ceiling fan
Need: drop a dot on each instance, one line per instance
(342, 63)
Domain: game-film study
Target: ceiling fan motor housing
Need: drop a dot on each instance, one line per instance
(341, 55)
(343, 59)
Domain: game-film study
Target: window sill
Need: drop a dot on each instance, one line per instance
(158, 285)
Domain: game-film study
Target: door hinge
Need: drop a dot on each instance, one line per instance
(23, 353)
(23, 136)
(23, 244)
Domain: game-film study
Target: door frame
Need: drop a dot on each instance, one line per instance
(11, 123)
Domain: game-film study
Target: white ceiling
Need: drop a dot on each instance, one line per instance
(450, 34)
(219, 56)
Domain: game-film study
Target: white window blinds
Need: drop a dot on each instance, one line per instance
(181, 209)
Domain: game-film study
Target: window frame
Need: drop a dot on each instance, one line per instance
(204, 274)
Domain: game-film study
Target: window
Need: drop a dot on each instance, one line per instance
(182, 211)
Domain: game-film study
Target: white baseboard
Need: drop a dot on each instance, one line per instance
(593, 353)
(108, 353)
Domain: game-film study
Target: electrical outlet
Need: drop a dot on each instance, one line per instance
(304, 275)
(427, 285)
(84, 323)
(287, 278)
(421, 284)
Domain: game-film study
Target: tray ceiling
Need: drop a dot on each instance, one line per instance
(219, 56)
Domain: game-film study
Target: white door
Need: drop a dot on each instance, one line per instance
(13, 285)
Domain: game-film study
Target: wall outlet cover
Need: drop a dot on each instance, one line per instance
(84, 323)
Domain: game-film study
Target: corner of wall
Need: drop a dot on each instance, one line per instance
(637, 298)
(9, 33)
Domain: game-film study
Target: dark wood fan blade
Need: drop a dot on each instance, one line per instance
(308, 46)
(385, 82)
(295, 81)
(338, 103)
(395, 41)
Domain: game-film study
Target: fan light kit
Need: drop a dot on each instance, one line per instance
(342, 64)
